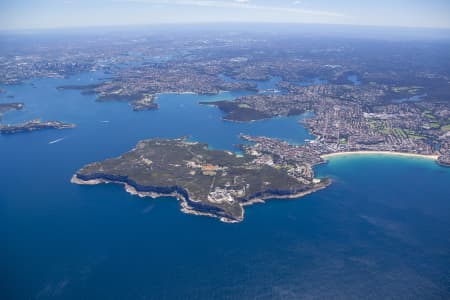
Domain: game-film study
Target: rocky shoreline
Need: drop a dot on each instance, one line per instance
(188, 205)
(34, 125)
(443, 161)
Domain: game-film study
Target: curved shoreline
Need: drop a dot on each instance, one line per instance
(386, 153)
(184, 200)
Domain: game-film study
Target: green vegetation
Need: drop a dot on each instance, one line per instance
(238, 111)
(210, 182)
(428, 114)
(435, 125)
(399, 132)
(416, 137)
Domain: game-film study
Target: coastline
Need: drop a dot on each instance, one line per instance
(294, 196)
(386, 153)
(186, 208)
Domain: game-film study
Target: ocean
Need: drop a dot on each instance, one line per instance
(382, 230)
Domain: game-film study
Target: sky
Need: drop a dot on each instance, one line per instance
(37, 14)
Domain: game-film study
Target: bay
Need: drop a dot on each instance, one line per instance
(380, 231)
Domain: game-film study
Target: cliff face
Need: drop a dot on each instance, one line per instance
(199, 206)
(275, 192)
(207, 182)
(163, 190)
(279, 193)
(444, 160)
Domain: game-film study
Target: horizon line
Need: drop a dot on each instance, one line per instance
(105, 26)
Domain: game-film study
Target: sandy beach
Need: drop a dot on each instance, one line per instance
(412, 155)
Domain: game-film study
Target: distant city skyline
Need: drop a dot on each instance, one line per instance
(37, 14)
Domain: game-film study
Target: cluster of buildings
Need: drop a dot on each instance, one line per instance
(225, 194)
(22, 67)
(297, 160)
(351, 118)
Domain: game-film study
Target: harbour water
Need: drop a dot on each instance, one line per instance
(380, 231)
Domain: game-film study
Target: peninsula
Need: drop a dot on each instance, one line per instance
(207, 182)
(444, 160)
(351, 119)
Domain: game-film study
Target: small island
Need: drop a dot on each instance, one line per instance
(28, 126)
(207, 182)
(5, 107)
(34, 125)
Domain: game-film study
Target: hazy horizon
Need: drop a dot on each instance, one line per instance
(52, 14)
(307, 30)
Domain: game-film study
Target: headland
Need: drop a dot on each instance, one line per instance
(206, 182)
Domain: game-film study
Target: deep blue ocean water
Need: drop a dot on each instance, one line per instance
(382, 230)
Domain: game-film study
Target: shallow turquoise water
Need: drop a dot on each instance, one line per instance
(380, 231)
